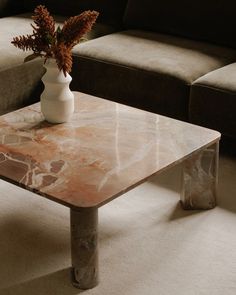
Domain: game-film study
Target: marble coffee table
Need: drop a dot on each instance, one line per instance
(104, 151)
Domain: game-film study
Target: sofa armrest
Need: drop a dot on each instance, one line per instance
(11, 7)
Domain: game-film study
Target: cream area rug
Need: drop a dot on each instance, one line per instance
(148, 244)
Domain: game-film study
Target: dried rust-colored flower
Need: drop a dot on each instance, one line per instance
(44, 29)
(24, 42)
(63, 57)
(43, 34)
(45, 24)
(75, 27)
(56, 43)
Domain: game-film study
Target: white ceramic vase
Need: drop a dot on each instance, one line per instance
(57, 100)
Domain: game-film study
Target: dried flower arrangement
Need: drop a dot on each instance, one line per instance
(50, 42)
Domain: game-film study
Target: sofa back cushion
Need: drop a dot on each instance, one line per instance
(111, 11)
(10, 7)
(207, 20)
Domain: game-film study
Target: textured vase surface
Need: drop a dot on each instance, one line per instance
(57, 100)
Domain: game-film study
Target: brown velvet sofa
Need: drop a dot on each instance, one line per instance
(171, 57)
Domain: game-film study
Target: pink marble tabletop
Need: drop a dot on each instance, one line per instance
(106, 149)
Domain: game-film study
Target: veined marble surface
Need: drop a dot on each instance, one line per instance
(106, 149)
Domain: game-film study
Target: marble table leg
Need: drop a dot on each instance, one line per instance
(200, 179)
(84, 248)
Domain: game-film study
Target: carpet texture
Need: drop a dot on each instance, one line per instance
(148, 244)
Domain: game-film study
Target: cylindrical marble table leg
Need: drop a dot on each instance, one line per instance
(200, 179)
(84, 248)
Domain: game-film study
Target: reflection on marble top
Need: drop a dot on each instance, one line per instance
(106, 149)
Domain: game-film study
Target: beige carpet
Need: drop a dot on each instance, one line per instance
(148, 244)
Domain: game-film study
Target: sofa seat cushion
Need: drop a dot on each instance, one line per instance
(146, 70)
(213, 100)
